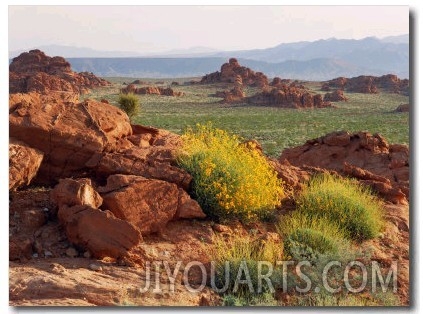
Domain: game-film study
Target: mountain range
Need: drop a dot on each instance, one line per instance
(316, 60)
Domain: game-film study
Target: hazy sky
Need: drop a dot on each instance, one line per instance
(161, 28)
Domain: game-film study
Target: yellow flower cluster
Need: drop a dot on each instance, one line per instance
(229, 179)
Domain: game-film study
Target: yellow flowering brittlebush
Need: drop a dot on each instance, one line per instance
(230, 179)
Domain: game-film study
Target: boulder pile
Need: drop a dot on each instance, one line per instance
(113, 181)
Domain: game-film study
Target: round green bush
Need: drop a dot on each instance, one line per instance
(129, 103)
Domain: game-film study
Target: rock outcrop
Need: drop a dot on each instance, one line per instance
(361, 155)
(151, 90)
(233, 72)
(68, 134)
(24, 162)
(369, 84)
(34, 71)
(334, 96)
(288, 97)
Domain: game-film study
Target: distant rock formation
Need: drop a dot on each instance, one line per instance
(337, 95)
(369, 84)
(279, 83)
(233, 72)
(151, 90)
(288, 97)
(34, 71)
(234, 95)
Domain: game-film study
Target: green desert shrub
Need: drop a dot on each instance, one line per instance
(309, 238)
(230, 179)
(129, 103)
(342, 202)
(244, 252)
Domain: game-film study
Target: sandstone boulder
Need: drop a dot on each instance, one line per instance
(148, 204)
(291, 175)
(67, 133)
(24, 163)
(154, 157)
(98, 231)
(70, 192)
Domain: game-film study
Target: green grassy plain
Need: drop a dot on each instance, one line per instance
(275, 128)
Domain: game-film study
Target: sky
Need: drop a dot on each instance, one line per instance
(150, 29)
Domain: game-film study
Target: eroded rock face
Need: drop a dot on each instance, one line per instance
(24, 163)
(34, 71)
(362, 155)
(148, 204)
(67, 133)
(233, 72)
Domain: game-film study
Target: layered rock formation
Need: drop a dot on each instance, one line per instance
(34, 71)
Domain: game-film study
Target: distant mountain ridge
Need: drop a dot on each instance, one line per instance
(317, 60)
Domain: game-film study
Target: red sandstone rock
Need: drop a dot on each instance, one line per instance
(233, 72)
(288, 97)
(98, 231)
(148, 204)
(70, 192)
(370, 84)
(33, 71)
(362, 155)
(24, 163)
(337, 95)
(67, 133)
(151, 90)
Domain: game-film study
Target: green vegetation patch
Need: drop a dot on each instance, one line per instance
(343, 202)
